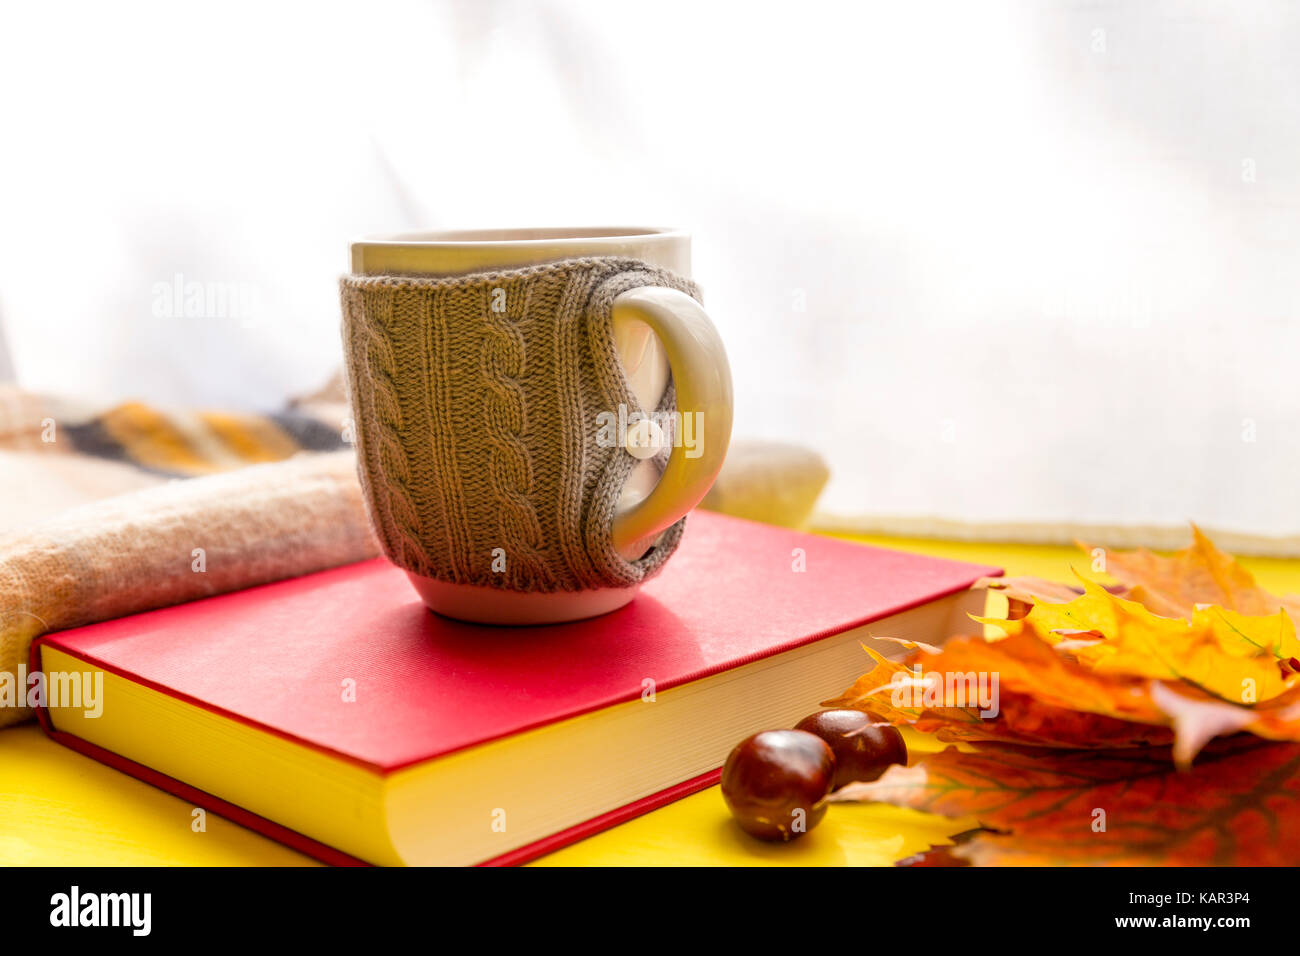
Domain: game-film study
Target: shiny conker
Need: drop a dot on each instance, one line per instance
(862, 752)
(776, 782)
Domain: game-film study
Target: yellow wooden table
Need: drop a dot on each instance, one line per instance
(60, 808)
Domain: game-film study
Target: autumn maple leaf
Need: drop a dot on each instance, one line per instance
(1171, 586)
(1176, 585)
(1128, 701)
(1230, 655)
(1239, 805)
(1044, 699)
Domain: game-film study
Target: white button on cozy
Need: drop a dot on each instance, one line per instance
(644, 439)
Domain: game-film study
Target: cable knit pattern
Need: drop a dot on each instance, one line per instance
(401, 524)
(509, 466)
(476, 401)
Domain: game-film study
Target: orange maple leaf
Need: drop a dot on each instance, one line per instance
(1047, 699)
(1176, 585)
(1104, 696)
(1239, 805)
(1227, 654)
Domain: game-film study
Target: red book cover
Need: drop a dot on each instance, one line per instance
(273, 656)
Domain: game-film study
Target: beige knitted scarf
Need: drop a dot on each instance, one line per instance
(476, 401)
(178, 541)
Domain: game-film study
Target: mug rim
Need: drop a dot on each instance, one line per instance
(463, 251)
(524, 236)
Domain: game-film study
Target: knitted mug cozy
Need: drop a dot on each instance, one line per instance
(476, 401)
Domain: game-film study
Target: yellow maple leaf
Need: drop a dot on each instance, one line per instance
(1247, 633)
(1176, 585)
(1230, 655)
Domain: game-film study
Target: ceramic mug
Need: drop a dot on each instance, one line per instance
(655, 330)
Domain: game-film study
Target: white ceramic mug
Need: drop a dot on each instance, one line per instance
(655, 329)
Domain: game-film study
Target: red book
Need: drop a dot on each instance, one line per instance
(335, 713)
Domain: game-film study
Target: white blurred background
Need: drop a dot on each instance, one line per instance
(998, 262)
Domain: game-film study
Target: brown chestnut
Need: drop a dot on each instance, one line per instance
(776, 782)
(862, 752)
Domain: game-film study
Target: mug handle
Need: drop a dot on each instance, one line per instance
(702, 379)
